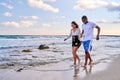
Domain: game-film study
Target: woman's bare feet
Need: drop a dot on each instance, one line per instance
(74, 63)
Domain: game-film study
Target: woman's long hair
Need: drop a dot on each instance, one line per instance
(73, 22)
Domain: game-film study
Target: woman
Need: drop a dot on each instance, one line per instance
(75, 33)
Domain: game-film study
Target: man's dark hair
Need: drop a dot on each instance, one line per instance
(84, 17)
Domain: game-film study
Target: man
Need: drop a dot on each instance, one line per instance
(87, 35)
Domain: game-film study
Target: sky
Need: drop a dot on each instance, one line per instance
(54, 17)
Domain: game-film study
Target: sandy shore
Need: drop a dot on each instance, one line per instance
(76, 73)
(111, 73)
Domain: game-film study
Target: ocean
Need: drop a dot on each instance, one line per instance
(59, 55)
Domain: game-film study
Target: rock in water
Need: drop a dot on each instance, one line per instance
(43, 47)
(9, 64)
(27, 50)
(19, 70)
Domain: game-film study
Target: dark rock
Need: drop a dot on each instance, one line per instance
(27, 50)
(30, 64)
(10, 64)
(20, 69)
(43, 47)
(34, 56)
(55, 51)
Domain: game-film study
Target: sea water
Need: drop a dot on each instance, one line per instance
(59, 55)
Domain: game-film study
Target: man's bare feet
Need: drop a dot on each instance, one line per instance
(90, 63)
(84, 66)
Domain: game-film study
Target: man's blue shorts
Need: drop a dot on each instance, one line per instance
(87, 45)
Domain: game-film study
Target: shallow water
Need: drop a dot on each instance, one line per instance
(58, 57)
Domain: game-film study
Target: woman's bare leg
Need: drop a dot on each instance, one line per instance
(74, 56)
(74, 53)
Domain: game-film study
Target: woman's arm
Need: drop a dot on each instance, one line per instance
(69, 35)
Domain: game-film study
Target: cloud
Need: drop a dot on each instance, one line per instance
(6, 5)
(46, 25)
(42, 5)
(26, 23)
(93, 4)
(116, 22)
(35, 17)
(106, 21)
(7, 14)
(29, 17)
(102, 21)
(89, 4)
(12, 23)
(59, 17)
(113, 6)
(49, 0)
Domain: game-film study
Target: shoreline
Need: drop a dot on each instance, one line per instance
(76, 73)
(51, 35)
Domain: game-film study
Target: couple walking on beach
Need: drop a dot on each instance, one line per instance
(86, 35)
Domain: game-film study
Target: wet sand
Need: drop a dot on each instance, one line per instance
(112, 72)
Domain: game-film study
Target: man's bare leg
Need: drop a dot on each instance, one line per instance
(90, 63)
(87, 56)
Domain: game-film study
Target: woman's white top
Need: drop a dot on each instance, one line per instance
(74, 33)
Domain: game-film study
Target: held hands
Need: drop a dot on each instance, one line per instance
(97, 37)
(81, 35)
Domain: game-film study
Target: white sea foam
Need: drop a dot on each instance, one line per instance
(59, 52)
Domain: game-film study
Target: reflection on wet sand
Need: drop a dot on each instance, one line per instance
(88, 71)
(76, 72)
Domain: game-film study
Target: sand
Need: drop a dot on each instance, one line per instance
(112, 72)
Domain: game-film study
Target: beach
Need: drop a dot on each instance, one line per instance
(111, 73)
(57, 62)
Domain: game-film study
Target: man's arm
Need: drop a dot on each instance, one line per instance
(98, 32)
